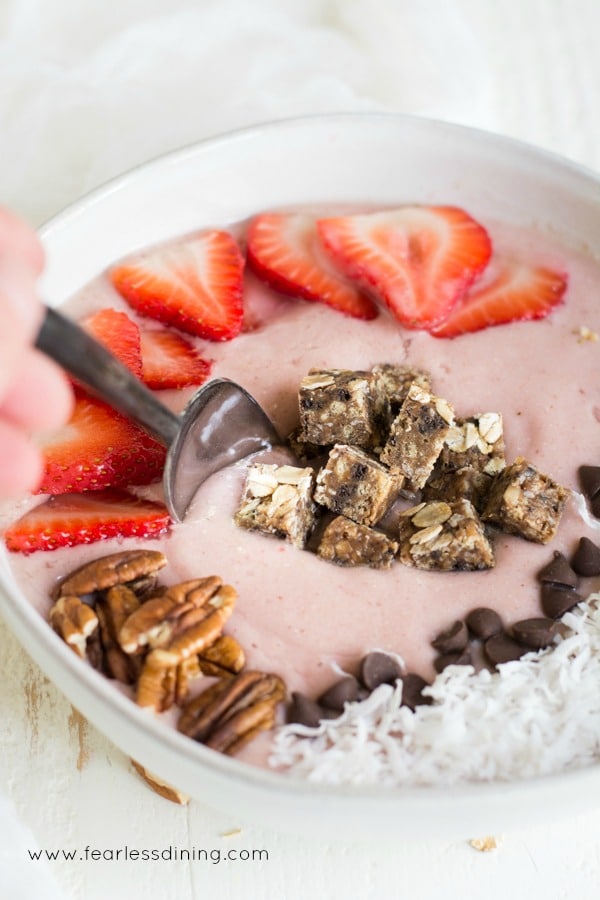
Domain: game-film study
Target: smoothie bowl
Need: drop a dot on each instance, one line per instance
(388, 623)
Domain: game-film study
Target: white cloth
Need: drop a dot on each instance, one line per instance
(96, 88)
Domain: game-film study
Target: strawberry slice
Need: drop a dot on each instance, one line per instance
(515, 291)
(98, 448)
(284, 250)
(194, 284)
(72, 519)
(418, 260)
(169, 361)
(119, 334)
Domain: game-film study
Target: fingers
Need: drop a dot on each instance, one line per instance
(21, 463)
(21, 260)
(34, 394)
(40, 396)
(20, 313)
(19, 240)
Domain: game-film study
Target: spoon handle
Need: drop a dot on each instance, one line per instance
(87, 360)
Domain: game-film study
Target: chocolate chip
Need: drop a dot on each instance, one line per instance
(345, 690)
(589, 479)
(558, 572)
(304, 711)
(535, 633)
(595, 506)
(483, 622)
(379, 668)
(453, 639)
(501, 649)
(412, 691)
(586, 559)
(557, 601)
(452, 659)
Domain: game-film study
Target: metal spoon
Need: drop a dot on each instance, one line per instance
(220, 425)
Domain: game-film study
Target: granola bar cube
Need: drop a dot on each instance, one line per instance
(339, 406)
(355, 485)
(467, 483)
(278, 500)
(346, 543)
(444, 537)
(304, 450)
(417, 436)
(394, 382)
(523, 501)
(476, 442)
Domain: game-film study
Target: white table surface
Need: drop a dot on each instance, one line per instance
(89, 89)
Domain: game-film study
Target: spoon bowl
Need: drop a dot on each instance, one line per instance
(221, 424)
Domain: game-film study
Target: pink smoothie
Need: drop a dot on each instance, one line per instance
(298, 615)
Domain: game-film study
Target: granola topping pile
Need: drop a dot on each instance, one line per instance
(372, 438)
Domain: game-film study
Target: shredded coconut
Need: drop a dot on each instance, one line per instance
(583, 511)
(533, 716)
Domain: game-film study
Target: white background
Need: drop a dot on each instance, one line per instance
(90, 88)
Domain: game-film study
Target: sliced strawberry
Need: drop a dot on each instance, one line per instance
(195, 285)
(418, 260)
(169, 361)
(515, 292)
(72, 519)
(98, 448)
(284, 250)
(119, 334)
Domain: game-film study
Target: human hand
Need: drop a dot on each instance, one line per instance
(35, 394)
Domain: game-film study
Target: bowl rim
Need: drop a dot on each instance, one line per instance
(24, 618)
(192, 148)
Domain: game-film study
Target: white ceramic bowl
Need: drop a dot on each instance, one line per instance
(362, 159)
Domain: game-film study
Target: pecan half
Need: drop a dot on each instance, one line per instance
(75, 622)
(194, 638)
(186, 671)
(182, 620)
(120, 602)
(159, 786)
(233, 710)
(112, 610)
(161, 684)
(94, 652)
(223, 658)
(117, 568)
(157, 682)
